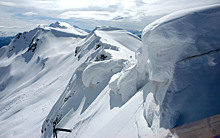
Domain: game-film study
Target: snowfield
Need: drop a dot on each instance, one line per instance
(109, 83)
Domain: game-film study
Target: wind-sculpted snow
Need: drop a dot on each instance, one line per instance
(100, 71)
(181, 54)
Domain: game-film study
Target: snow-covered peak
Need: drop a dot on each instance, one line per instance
(34, 71)
(59, 24)
(26, 40)
(62, 26)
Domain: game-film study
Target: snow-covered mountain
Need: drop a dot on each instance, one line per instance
(34, 70)
(69, 28)
(6, 37)
(5, 40)
(109, 83)
(36, 66)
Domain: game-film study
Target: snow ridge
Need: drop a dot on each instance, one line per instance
(101, 54)
(153, 78)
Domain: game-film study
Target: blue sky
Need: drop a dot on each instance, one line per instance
(22, 15)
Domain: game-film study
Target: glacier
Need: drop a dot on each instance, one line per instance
(110, 83)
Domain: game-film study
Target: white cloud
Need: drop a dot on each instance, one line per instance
(6, 3)
(11, 27)
(102, 15)
(132, 7)
(113, 12)
(29, 13)
(98, 15)
(75, 4)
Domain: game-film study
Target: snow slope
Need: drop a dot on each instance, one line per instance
(105, 52)
(36, 66)
(172, 81)
(34, 70)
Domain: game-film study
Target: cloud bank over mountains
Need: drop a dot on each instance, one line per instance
(129, 14)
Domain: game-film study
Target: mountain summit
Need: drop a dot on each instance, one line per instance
(65, 26)
(59, 24)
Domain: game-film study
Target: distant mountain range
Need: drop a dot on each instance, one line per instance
(6, 37)
(5, 40)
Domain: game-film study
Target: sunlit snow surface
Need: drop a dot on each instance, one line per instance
(183, 61)
(109, 83)
(173, 80)
(34, 70)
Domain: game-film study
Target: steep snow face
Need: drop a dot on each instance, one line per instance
(181, 54)
(34, 70)
(105, 52)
